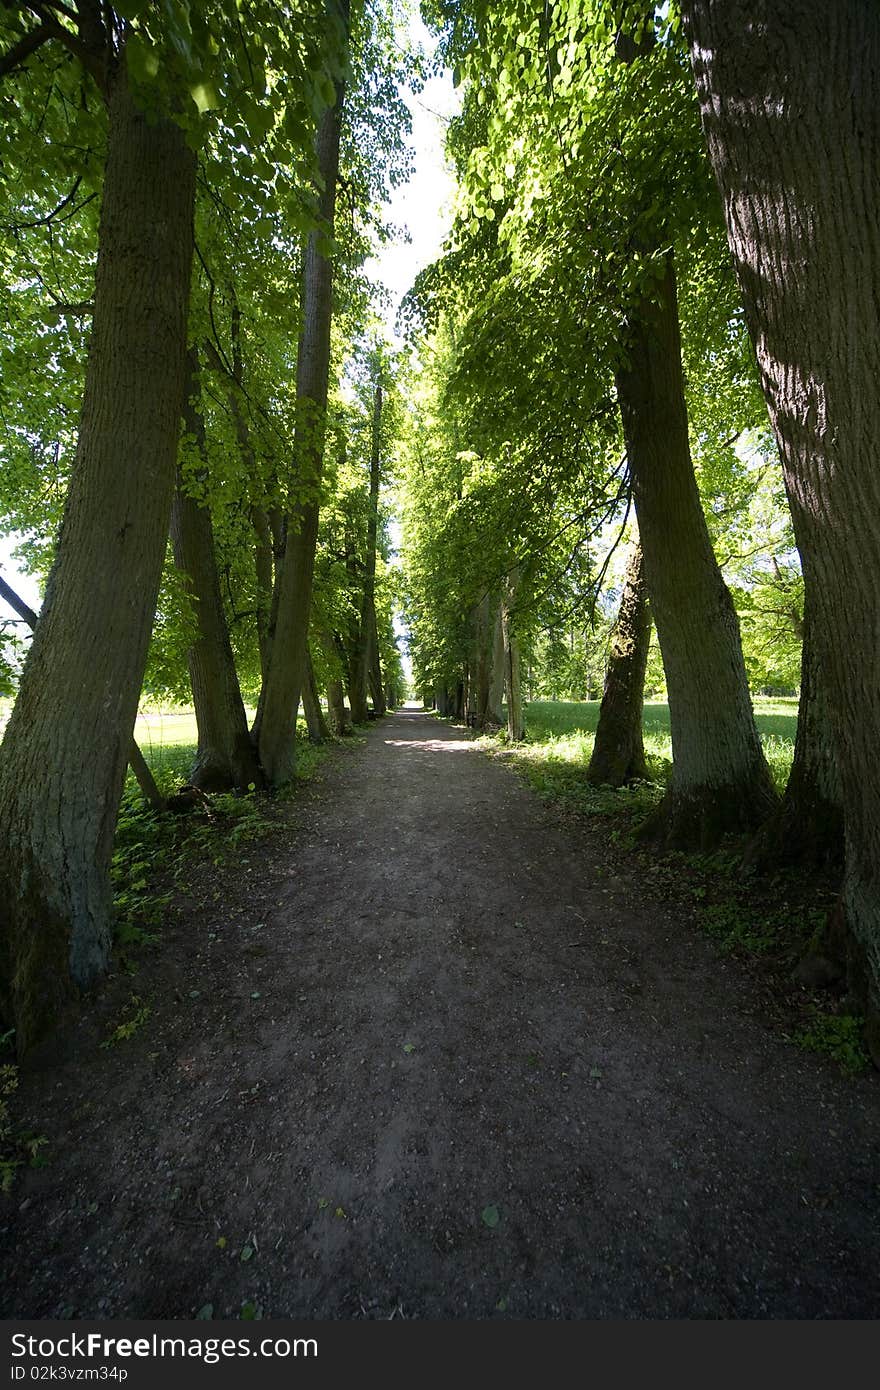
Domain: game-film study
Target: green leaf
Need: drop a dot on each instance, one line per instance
(205, 1313)
(247, 1253)
(490, 1216)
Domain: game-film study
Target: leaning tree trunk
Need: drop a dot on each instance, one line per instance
(720, 779)
(790, 98)
(225, 757)
(287, 659)
(619, 752)
(68, 739)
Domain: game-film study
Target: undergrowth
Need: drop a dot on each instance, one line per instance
(17, 1148)
(154, 852)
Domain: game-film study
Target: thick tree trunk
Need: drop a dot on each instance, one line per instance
(68, 740)
(790, 98)
(136, 760)
(720, 780)
(619, 752)
(225, 757)
(287, 660)
(316, 724)
(516, 728)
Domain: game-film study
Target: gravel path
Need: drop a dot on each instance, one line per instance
(425, 1055)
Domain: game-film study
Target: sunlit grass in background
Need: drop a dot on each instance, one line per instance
(563, 731)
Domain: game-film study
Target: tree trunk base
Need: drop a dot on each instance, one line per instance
(807, 835)
(698, 820)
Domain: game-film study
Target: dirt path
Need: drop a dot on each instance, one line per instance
(436, 1008)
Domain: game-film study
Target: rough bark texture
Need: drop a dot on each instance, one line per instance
(67, 742)
(226, 757)
(720, 780)
(287, 659)
(136, 760)
(790, 98)
(618, 752)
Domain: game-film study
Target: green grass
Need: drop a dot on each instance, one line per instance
(562, 732)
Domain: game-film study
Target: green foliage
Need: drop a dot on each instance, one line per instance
(16, 1147)
(838, 1036)
(134, 1015)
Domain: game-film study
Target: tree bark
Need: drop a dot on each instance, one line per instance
(68, 739)
(283, 687)
(316, 724)
(366, 674)
(136, 760)
(790, 99)
(226, 757)
(808, 827)
(619, 753)
(338, 714)
(720, 779)
(516, 728)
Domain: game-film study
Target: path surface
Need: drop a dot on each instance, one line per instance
(430, 1003)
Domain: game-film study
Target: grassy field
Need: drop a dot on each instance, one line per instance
(562, 732)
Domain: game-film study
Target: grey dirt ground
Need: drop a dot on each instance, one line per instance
(424, 1006)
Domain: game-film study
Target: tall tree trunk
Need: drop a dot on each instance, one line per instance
(482, 659)
(720, 779)
(226, 757)
(790, 99)
(287, 661)
(67, 742)
(516, 728)
(494, 717)
(264, 570)
(367, 674)
(619, 752)
(315, 721)
(136, 760)
(808, 827)
(335, 694)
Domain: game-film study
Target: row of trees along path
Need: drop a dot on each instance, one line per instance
(431, 1053)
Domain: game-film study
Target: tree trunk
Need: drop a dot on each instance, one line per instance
(287, 660)
(136, 760)
(68, 739)
(720, 780)
(315, 721)
(335, 694)
(368, 673)
(494, 717)
(225, 757)
(516, 728)
(618, 752)
(808, 827)
(790, 99)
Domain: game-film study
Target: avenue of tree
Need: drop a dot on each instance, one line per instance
(637, 396)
